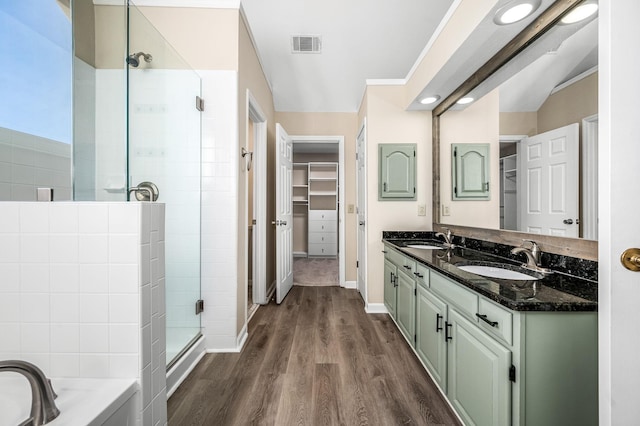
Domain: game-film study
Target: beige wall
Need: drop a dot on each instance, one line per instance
(110, 37)
(519, 123)
(478, 123)
(569, 105)
(84, 31)
(251, 77)
(333, 124)
(388, 122)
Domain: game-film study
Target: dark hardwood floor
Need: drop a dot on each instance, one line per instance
(316, 359)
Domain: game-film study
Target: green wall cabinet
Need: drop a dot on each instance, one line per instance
(396, 171)
(470, 171)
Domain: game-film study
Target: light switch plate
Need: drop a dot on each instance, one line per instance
(350, 208)
(445, 210)
(422, 210)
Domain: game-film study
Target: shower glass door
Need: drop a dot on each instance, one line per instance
(163, 144)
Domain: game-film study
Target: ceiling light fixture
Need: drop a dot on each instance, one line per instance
(515, 11)
(429, 99)
(464, 101)
(580, 13)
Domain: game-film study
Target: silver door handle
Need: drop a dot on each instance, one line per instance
(362, 223)
(279, 222)
(568, 221)
(283, 222)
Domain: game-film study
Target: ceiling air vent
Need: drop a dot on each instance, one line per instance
(306, 44)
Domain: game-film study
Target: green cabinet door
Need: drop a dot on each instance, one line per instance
(470, 171)
(406, 305)
(478, 374)
(397, 172)
(390, 277)
(431, 314)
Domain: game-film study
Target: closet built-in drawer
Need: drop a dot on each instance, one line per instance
(495, 320)
(464, 299)
(323, 214)
(322, 226)
(322, 249)
(323, 238)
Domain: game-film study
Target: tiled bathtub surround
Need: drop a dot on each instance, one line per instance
(581, 268)
(82, 292)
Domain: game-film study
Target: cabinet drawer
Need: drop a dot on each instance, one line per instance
(323, 214)
(323, 237)
(322, 249)
(465, 300)
(421, 274)
(501, 320)
(393, 256)
(322, 226)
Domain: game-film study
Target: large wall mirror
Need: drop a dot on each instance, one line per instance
(538, 111)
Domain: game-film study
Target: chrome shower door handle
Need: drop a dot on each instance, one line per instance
(145, 191)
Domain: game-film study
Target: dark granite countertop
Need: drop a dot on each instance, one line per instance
(554, 292)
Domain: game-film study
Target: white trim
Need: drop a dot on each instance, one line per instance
(434, 37)
(341, 190)
(300, 254)
(242, 338)
(590, 177)
(206, 4)
(511, 138)
(350, 285)
(375, 308)
(575, 79)
(362, 131)
(386, 82)
(187, 362)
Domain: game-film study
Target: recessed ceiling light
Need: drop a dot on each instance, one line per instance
(429, 99)
(464, 101)
(580, 13)
(515, 11)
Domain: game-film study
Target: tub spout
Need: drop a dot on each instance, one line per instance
(43, 406)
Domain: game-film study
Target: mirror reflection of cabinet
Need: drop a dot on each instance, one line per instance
(470, 171)
(396, 172)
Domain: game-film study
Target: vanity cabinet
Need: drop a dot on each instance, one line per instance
(496, 366)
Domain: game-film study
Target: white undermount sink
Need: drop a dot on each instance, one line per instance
(424, 247)
(497, 272)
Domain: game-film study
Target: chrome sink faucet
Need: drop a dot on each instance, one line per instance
(43, 406)
(533, 256)
(448, 237)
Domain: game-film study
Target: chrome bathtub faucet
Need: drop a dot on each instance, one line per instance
(43, 406)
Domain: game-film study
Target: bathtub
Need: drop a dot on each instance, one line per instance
(82, 402)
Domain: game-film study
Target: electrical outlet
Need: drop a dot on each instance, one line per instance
(445, 210)
(422, 210)
(350, 208)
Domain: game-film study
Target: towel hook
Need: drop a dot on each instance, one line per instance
(250, 159)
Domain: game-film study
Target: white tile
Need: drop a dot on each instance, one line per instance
(9, 217)
(64, 218)
(10, 341)
(94, 308)
(123, 366)
(10, 248)
(158, 380)
(124, 218)
(64, 278)
(145, 223)
(123, 278)
(34, 307)
(157, 361)
(159, 407)
(10, 273)
(93, 278)
(34, 217)
(93, 218)
(94, 249)
(123, 338)
(123, 248)
(34, 248)
(65, 307)
(65, 338)
(124, 308)
(145, 305)
(145, 264)
(65, 365)
(94, 366)
(147, 415)
(10, 307)
(146, 386)
(35, 338)
(63, 248)
(94, 338)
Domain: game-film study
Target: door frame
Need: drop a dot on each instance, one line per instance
(589, 161)
(257, 116)
(341, 194)
(362, 244)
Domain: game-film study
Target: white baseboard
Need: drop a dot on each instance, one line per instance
(182, 368)
(299, 254)
(242, 338)
(350, 284)
(375, 308)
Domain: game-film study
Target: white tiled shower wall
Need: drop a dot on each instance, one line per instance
(82, 292)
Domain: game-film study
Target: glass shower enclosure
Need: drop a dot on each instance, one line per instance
(137, 138)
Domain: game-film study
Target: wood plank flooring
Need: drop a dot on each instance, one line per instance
(316, 359)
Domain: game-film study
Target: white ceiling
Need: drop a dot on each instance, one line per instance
(361, 39)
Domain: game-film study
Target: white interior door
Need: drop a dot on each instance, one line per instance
(548, 180)
(361, 188)
(284, 214)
